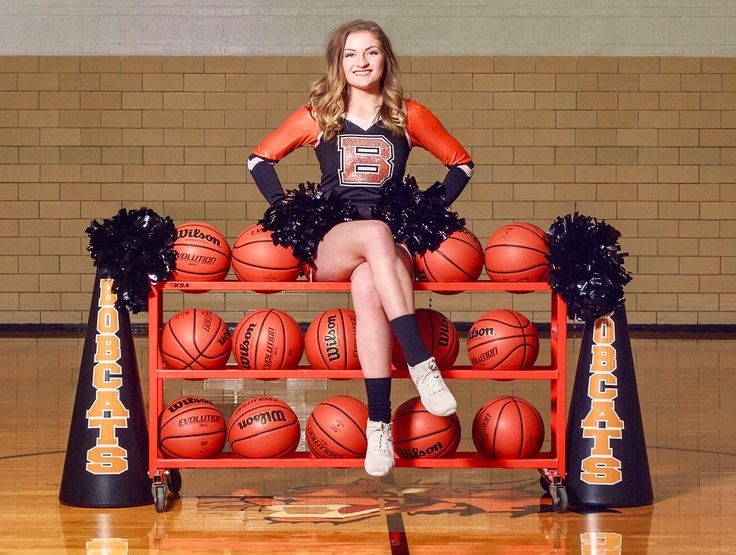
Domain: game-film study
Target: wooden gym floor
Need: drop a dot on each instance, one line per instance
(687, 387)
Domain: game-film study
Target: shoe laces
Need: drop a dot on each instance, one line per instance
(432, 378)
(381, 438)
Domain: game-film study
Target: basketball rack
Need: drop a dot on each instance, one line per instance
(165, 471)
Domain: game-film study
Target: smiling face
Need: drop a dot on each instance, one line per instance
(363, 62)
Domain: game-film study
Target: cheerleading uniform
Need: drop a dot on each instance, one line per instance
(363, 157)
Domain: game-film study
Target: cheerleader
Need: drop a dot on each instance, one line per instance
(362, 129)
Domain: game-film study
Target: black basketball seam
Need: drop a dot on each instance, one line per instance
(204, 247)
(332, 438)
(505, 401)
(497, 320)
(474, 243)
(348, 415)
(521, 423)
(523, 335)
(283, 334)
(279, 268)
(163, 440)
(435, 432)
(532, 230)
(173, 334)
(258, 339)
(508, 355)
(265, 432)
(260, 407)
(344, 341)
(214, 336)
(319, 341)
(452, 263)
(291, 446)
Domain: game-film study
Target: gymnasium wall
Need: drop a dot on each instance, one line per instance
(622, 110)
(647, 143)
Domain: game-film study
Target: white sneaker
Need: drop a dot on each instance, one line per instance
(435, 396)
(379, 458)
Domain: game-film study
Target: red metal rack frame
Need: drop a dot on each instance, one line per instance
(551, 463)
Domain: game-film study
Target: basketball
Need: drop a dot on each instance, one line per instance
(419, 434)
(502, 340)
(439, 335)
(191, 428)
(196, 339)
(330, 341)
(202, 253)
(262, 428)
(517, 252)
(458, 258)
(267, 339)
(336, 428)
(256, 258)
(508, 428)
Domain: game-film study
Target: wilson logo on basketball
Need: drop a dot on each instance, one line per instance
(244, 348)
(479, 332)
(107, 413)
(276, 415)
(444, 339)
(330, 339)
(415, 453)
(179, 403)
(602, 423)
(197, 234)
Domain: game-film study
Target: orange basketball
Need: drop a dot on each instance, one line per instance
(197, 339)
(517, 252)
(439, 335)
(330, 341)
(336, 428)
(419, 434)
(267, 339)
(508, 428)
(256, 258)
(191, 428)
(503, 340)
(458, 258)
(202, 253)
(263, 427)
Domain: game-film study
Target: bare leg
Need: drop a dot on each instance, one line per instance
(373, 332)
(347, 245)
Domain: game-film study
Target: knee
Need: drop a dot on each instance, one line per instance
(378, 236)
(362, 287)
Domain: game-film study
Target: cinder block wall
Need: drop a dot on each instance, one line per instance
(647, 143)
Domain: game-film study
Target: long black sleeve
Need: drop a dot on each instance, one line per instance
(266, 179)
(455, 181)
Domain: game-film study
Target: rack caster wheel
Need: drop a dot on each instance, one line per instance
(173, 480)
(559, 498)
(159, 496)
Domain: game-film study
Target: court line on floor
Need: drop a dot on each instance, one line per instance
(6, 457)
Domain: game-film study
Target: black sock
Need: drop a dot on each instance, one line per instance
(406, 331)
(379, 399)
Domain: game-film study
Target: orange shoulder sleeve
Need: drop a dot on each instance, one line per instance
(426, 131)
(298, 130)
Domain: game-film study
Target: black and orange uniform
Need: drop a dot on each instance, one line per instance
(363, 157)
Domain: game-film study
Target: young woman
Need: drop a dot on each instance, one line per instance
(362, 130)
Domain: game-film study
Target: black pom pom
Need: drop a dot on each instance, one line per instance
(302, 218)
(586, 265)
(134, 248)
(418, 219)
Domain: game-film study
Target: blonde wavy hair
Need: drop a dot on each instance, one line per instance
(328, 95)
